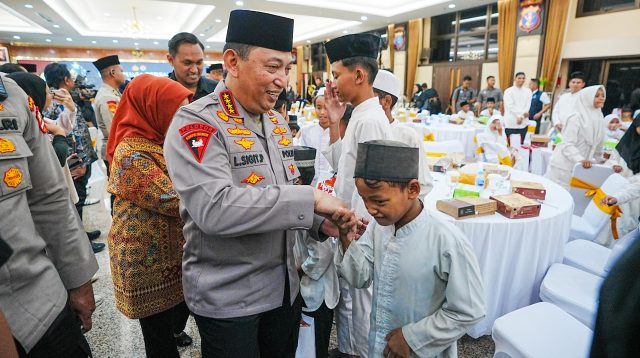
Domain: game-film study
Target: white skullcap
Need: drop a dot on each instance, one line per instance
(387, 82)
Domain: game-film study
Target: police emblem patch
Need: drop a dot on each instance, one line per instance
(252, 179)
(13, 177)
(279, 130)
(244, 143)
(1, 107)
(292, 168)
(238, 131)
(223, 116)
(112, 106)
(284, 141)
(530, 18)
(6, 146)
(273, 120)
(228, 103)
(196, 136)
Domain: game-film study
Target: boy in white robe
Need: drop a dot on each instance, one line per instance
(427, 286)
(354, 67)
(465, 112)
(491, 110)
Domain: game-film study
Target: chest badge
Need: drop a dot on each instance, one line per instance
(112, 106)
(279, 130)
(284, 141)
(13, 177)
(196, 136)
(32, 104)
(273, 120)
(6, 146)
(41, 124)
(1, 107)
(238, 131)
(245, 143)
(292, 168)
(252, 179)
(228, 103)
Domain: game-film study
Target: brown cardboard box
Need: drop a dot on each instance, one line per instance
(494, 169)
(467, 207)
(540, 140)
(531, 190)
(516, 206)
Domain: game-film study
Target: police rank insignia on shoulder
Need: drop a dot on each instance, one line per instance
(196, 136)
(228, 103)
(6, 146)
(112, 106)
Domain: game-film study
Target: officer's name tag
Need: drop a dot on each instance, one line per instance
(247, 160)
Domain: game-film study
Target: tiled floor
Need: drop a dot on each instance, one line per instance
(114, 335)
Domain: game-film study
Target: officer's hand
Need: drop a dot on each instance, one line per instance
(586, 164)
(335, 109)
(83, 304)
(324, 204)
(559, 127)
(328, 228)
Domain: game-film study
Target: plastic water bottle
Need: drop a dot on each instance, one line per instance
(480, 180)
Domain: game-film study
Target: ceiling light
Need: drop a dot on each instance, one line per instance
(48, 40)
(363, 18)
(452, 6)
(56, 26)
(28, 6)
(218, 20)
(155, 42)
(69, 39)
(201, 34)
(115, 41)
(16, 37)
(136, 44)
(94, 42)
(107, 14)
(239, 3)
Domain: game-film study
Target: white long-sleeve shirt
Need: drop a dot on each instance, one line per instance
(316, 137)
(517, 101)
(409, 136)
(426, 280)
(320, 280)
(563, 108)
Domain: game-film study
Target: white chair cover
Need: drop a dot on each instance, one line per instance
(586, 256)
(447, 147)
(593, 220)
(574, 291)
(541, 330)
(596, 175)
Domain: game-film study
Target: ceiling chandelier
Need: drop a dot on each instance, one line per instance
(135, 28)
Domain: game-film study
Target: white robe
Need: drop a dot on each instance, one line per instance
(368, 122)
(517, 101)
(426, 280)
(316, 137)
(627, 197)
(320, 281)
(407, 135)
(563, 108)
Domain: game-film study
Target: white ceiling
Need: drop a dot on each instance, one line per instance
(103, 24)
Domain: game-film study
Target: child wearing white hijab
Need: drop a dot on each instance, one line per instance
(583, 137)
(494, 143)
(612, 128)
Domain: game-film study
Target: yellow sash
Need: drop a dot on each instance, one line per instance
(506, 160)
(479, 150)
(429, 137)
(597, 195)
(435, 154)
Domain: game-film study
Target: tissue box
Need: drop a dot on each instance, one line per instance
(529, 189)
(466, 207)
(464, 190)
(516, 206)
(540, 140)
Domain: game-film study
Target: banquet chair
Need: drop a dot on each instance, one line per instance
(593, 220)
(596, 175)
(586, 256)
(573, 290)
(444, 147)
(541, 330)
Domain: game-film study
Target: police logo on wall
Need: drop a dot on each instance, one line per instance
(196, 136)
(530, 17)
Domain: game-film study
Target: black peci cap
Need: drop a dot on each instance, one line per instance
(260, 29)
(214, 67)
(365, 45)
(387, 160)
(107, 61)
(30, 67)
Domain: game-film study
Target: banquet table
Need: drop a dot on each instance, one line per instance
(513, 254)
(540, 158)
(448, 131)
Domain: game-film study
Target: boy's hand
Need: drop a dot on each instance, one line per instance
(361, 227)
(347, 225)
(396, 345)
(617, 168)
(335, 109)
(609, 200)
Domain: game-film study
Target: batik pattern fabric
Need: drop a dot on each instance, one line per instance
(146, 240)
(79, 139)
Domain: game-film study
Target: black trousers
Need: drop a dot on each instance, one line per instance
(271, 334)
(521, 131)
(158, 330)
(81, 188)
(63, 339)
(322, 321)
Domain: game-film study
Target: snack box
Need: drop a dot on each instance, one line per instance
(469, 207)
(442, 165)
(531, 190)
(539, 139)
(516, 206)
(464, 190)
(501, 170)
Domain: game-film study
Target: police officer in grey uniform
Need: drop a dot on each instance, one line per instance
(231, 160)
(45, 286)
(107, 97)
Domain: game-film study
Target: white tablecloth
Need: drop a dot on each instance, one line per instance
(540, 160)
(513, 254)
(448, 131)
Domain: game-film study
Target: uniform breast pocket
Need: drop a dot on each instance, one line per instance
(14, 169)
(291, 170)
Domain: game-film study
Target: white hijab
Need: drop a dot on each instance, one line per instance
(493, 135)
(588, 117)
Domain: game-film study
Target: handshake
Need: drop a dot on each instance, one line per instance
(341, 222)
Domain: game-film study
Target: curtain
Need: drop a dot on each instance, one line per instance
(390, 35)
(557, 19)
(507, 22)
(413, 54)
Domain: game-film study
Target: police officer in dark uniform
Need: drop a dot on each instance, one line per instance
(45, 286)
(186, 56)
